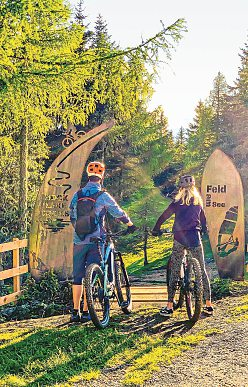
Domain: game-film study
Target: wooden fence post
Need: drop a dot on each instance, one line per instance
(16, 263)
(16, 271)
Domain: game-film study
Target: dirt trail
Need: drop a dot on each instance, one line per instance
(218, 361)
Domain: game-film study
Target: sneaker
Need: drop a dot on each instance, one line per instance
(208, 310)
(166, 312)
(75, 316)
(85, 317)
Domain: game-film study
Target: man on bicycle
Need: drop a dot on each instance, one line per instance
(85, 250)
(189, 221)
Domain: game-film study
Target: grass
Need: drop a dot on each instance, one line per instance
(158, 251)
(227, 287)
(50, 352)
(240, 312)
(64, 355)
(151, 352)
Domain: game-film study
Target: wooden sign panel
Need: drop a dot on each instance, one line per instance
(222, 193)
(51, 236)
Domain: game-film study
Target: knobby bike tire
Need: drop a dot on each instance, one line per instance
(179, 302)
(194, 311)
(98, 304)
(122, 285)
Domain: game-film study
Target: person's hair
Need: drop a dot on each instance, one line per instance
(189, 195)
(94, 178)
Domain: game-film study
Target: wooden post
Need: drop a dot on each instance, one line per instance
(246, 262)
(145, 246)
(16, 263)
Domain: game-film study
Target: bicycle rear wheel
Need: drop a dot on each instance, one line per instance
(122, 285)
(178, 303)
(67, 141)
(98, 304)
(193, 290)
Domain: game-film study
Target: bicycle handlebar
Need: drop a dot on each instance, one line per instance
(124, 232)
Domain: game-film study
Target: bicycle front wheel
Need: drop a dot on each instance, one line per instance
(98, 304)
(193, 290)
(122, 286)
(81, 133)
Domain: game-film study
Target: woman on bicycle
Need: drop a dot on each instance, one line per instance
(190, 220)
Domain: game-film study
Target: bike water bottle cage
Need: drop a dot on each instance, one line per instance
(186, 181)
(87, 219)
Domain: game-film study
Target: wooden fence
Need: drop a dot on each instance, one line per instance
(16, 270)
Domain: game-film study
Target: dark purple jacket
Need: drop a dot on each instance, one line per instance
(189, 220)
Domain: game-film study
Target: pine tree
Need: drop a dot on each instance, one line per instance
(202, 140)
(80, 16)
(80, 19)
(242, 81)
(101, 40)
(180, 144)
(218, 100)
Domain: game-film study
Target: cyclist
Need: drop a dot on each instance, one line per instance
(85, 251)
(189, 221)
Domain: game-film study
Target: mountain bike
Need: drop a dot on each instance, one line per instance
(72, 136)
(107, 282)
(189, 286)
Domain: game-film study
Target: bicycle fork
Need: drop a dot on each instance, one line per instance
(124, 271)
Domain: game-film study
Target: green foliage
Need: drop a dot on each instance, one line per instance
(144, 206)
(48, 297)
(220, 288)
(242, 81)
(226, 287)
(52, 71)
(201, 139)
(158, 252)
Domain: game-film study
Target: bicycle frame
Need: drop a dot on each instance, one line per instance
(107, 257)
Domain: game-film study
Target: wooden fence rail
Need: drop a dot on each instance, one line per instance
(14, 272)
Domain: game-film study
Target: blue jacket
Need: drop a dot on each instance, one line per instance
(104, 203)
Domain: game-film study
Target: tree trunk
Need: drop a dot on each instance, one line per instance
(23, 188)
(120, 179)
(145, 246)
